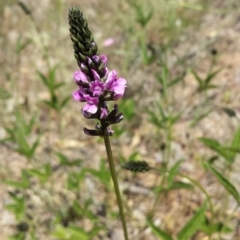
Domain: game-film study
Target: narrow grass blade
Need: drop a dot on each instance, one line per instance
(225, 183)
(193, 224)
(159, 232)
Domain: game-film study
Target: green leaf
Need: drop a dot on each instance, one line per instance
(217, 147)
(4, 94)
(176, 80)
(200, 117)
(18, 236)
(95, 230)
(128, 108)
(211, 76)
(159, 232)
(17, 184)
(17, 207)
(70, 233)
(172, 172)
(193, 224)
(214, 227)
(199, 80)
(43, 78)
(73, 181)
(235, 144)
(64, 161)
(34, 146)
(103, 174)
(65, 101)
(180, 185)
(58, 85)
(175, 118)
(42, 174)
(225, 183)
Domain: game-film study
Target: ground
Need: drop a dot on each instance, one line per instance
(214, 29)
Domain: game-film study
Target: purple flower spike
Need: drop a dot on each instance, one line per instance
(96, 84)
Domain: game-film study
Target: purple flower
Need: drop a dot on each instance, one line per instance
(79, 95)
(115, 85)
(103, 59)
(80, 77)
(104, 113)
(95, 75)
(108, 42)
(97, 88)
(92, 104)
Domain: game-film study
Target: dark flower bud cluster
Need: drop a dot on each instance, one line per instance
(96, 84)
(137, 166)
(81, 36)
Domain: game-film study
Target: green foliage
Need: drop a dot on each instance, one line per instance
(76, 217)
(42, 174)
(227, 152)
(19, 134)
(50, 82)
(161, 119)
(225, 183)
(214, 228)
(18, 206)
(4, 94)
(21, 45)
(22, 184)
(70, 233)
(74, 179)
(127, 107)
(205, 83)
(193, 224)
(64, 161)
(103, 174)
(19, 236)
(159, 232)
(172, 172)
(164, 78)
(142, 17)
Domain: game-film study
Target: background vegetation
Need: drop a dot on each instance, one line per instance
(181, 115)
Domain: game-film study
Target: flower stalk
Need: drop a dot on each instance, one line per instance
(115, 183)
(96, 86)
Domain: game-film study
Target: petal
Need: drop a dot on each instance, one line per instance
(79, 76)
(111, 76)
(95, 75)
(90, 108)
(79, 95)
(121, 81)
(103, 58)
(96, 58)
(104, 113)
(108, 42)
(97, 88)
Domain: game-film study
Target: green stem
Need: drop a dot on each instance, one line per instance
(115, 183)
